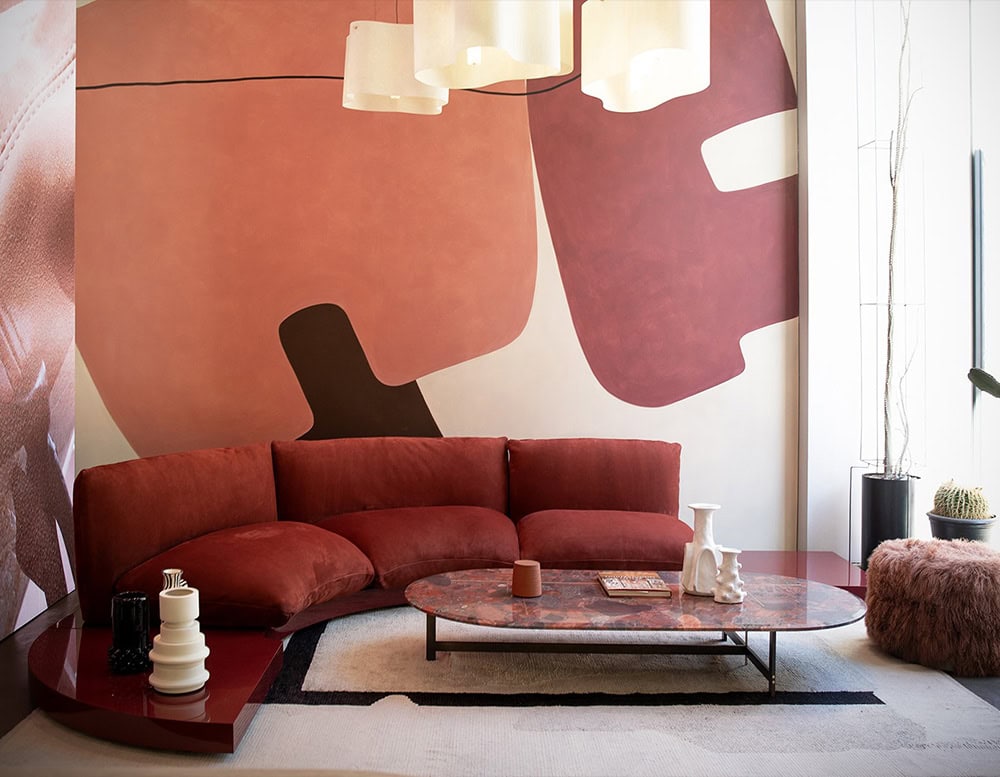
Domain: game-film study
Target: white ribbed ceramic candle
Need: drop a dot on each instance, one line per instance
(179, 650)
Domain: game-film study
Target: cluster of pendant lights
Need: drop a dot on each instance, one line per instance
(635, 54)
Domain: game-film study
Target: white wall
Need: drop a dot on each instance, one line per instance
(829, 362)
(848, 96)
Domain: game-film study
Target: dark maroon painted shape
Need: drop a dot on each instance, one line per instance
(664, 273)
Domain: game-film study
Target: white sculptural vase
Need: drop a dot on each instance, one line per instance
(728, 583)
(701, 555)
(179, 650)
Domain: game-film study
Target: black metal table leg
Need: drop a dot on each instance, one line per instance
(772, 660)
(431, 637)
(769, 669)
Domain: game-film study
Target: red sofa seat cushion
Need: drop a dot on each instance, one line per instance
(603, 539)
(594, 474)
(257, 576)
(319, 478)
(408, 543)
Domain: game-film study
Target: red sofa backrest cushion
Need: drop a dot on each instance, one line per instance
(320, 478)
(128, 512)
(594, 474)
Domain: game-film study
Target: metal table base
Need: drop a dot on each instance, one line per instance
(740, 647)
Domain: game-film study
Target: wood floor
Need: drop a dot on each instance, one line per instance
(14, 667)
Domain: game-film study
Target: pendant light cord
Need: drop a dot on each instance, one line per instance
(183, 81)
(117, 84)
(551, 88)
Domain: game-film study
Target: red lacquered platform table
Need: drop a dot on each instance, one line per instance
(71, 681)
(820, 566)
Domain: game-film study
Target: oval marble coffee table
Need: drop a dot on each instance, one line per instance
(574, 600)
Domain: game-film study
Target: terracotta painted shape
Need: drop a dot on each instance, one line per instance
(664, 273)
(207, 214)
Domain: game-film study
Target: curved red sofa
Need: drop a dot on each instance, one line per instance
(284, 534)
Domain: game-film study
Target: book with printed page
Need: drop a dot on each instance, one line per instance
(633, 584)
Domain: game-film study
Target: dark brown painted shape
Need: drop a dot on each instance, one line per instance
(346, 398)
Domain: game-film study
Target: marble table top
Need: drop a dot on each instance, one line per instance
(573, 599)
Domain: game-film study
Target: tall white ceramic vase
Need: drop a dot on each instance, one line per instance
(701, 555)
(179, 651)
(728, 583)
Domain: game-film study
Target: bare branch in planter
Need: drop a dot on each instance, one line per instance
(892, 464)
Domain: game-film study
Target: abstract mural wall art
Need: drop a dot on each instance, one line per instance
(37, 78)
(232, 232)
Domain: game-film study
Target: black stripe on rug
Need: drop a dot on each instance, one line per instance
(287, 689)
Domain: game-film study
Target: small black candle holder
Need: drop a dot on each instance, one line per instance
(130, 640)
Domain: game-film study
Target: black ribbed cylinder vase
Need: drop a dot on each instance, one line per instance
(130, 640)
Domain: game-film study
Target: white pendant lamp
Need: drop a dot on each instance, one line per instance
(465, 44)
(637, 54)
(378, 71)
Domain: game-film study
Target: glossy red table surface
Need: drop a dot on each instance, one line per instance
(71, 681)
(819, 565)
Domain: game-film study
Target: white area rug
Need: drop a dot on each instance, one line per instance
(927, 724)
(384, 652)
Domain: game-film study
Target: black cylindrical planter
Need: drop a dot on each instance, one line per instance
(130, 640)
(886, 511)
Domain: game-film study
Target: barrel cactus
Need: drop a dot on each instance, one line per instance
(955, 501)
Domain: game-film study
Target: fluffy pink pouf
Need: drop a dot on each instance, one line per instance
(937, 603)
